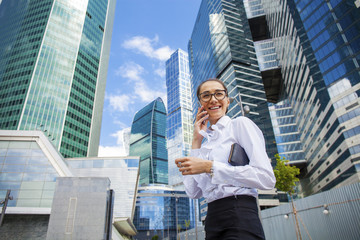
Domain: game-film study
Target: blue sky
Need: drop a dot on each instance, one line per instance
(145, 34)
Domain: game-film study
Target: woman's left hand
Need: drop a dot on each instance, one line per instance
(193, 165)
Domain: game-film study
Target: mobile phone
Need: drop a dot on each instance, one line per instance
(203, 123)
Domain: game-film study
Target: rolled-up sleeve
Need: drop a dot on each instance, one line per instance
(258, 173)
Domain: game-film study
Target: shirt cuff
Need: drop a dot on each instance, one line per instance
(217, 175)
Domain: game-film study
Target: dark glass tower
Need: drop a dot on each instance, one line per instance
(148, 141)
(318, 47)
(53, 66)
(221, 46)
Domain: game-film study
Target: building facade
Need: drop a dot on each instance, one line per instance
(30, 166)
(53, 66)
(286, 132)
(148, 141)
(317, 45)
(179, 119)
(162, 211)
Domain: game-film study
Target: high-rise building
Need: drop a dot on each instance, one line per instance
(317, 44)
(53, 66)
(286, 132)
(179, 119)
(148, 141)
(221, 46)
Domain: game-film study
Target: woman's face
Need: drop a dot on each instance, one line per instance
(214, 107)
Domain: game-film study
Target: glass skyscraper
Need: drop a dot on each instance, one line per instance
(221, 46)
(286, 132)
(179, 119)
(53, 65)
(148, 141)
(317, 44)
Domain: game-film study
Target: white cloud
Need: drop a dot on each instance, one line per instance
(117, 150)
(163, 53)
(111, 151)
(146, 93)
(160, 72)
(120, 102)
(133, 72)
(146, 46)
(130, 70)
(119, 137)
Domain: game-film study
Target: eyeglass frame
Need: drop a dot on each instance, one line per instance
(213, 94)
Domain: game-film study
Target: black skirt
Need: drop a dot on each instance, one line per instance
(232, 218)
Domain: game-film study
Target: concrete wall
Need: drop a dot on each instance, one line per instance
(20, 226)
(80, 209)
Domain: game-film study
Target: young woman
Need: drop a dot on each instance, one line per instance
(229, 190)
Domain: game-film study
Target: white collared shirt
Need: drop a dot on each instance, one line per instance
(230, 180)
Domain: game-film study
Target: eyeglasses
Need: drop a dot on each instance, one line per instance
(219, 95)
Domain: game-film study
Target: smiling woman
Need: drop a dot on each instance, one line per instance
(229, 190)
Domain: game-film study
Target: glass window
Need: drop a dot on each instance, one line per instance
(18, 152)
(20, 144)
(34, 177)
(13, 168)
(16, 160)
(11, 176)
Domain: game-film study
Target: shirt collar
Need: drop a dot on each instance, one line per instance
(221, 123)
(213, 133)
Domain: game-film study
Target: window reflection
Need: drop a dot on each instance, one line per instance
(16, 160)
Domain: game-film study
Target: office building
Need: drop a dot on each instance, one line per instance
(162, 211)
(30, 166)
(179, 119)
(53, 66)
(286, 132)
(148, 141)
(317, 46)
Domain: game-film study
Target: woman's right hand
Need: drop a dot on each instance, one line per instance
(201, 122)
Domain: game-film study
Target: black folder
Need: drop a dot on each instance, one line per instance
(238, 156)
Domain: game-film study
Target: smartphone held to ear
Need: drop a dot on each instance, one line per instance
(203, 122)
